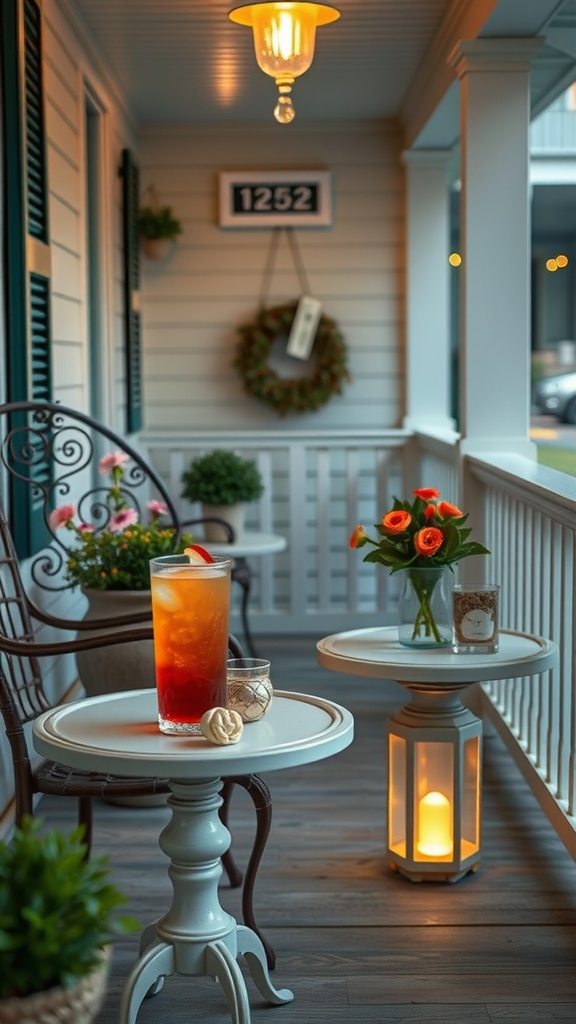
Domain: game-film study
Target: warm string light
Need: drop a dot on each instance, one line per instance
(284, 38)
(557, 263)
(553, 264)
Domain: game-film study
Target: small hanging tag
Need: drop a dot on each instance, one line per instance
(304, 326)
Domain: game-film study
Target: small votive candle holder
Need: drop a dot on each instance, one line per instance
(475, 618)
(250, 689)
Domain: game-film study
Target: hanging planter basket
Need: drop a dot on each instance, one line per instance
(157, 226)
(328, 363)
(155, 248)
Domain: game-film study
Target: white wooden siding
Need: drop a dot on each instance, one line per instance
(211, 282)
(69, 66)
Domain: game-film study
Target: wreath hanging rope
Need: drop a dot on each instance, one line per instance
(329, 362)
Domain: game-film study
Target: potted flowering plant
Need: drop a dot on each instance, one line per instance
(116, 556)
(110, 562)
(425, 537)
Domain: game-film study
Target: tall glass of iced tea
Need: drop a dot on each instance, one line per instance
(190, 610)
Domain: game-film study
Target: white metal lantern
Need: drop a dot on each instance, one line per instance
(434, 766)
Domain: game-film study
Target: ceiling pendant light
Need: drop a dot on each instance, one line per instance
(284, 36)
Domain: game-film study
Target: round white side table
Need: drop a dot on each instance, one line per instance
(434, 743)
(119, 733)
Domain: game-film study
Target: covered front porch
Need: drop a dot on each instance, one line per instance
(355, 942)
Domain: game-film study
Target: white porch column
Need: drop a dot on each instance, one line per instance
(495, 232)
(427, 291)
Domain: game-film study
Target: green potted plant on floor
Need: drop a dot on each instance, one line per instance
(56, 925)
(222, 482)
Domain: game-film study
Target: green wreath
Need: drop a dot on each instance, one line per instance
(285, 395)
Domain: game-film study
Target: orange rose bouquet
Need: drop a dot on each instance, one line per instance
(426, 533)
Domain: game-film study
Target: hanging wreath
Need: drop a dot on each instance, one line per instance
(329, 362)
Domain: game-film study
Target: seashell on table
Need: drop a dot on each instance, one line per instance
(221, 726)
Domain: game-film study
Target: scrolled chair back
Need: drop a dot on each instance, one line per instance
(49, 457)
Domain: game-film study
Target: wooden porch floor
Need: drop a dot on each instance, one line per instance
(355, 942)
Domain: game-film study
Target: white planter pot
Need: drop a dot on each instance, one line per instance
(232, 514)
(120, 666)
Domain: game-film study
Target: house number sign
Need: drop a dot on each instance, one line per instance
(270, 199)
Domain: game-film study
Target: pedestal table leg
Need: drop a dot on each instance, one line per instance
(197, 937)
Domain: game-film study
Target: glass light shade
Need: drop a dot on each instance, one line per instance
(284, 39)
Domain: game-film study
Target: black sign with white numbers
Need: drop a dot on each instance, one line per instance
(271, 199)
(286, 199)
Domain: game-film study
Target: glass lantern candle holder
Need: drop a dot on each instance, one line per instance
(434, 766)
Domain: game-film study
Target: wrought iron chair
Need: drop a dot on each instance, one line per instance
(43, 448)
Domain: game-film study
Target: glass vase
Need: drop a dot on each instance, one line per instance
(424, 608)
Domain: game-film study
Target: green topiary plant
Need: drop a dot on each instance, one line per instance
(158, 222)
(55, 911)
(222, 478)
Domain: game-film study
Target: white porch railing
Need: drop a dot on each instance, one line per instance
(317, 487)
(529, 526)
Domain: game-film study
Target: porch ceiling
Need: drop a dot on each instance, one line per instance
(184, 62)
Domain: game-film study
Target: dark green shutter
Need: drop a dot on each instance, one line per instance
(40, 340)
(130, 205)
(37, 188)
(14, 166)
(28, 355)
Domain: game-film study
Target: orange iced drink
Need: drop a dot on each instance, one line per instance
(190, 610)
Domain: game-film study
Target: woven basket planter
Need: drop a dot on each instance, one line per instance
(76, 1005)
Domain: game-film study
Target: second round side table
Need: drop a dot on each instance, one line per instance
(434, 742)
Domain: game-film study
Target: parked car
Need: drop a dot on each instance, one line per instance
(556, 396)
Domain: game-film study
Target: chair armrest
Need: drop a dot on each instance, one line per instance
(35, 648)
(107, 622)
